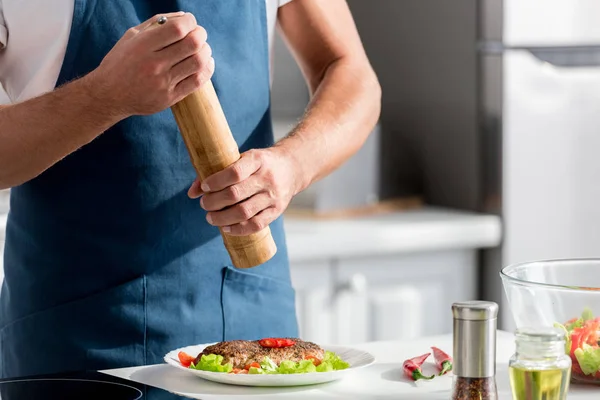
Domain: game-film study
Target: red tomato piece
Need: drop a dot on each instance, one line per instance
(314, 359)
(185, 359)
(254, 364)
(268, 343)
(285, 342)
(276, 342)
(576, 369)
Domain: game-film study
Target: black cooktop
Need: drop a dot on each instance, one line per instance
(81, 386)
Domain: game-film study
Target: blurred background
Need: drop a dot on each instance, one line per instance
(487, 153)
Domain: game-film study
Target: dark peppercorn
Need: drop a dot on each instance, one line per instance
(474, 389)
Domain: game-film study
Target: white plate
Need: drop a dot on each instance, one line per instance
(356, 358)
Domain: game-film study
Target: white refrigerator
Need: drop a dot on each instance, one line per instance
(550, 132)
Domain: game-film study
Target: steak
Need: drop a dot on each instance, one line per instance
(243, 352)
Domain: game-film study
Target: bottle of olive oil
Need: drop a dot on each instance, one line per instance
(540, 369)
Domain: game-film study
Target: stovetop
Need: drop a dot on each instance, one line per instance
(81, 386)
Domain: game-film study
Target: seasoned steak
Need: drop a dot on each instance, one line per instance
(244, 352)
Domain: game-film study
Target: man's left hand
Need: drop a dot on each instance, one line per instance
(251, 193)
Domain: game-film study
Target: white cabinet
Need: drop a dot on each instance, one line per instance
(390, 297)
(312, 282)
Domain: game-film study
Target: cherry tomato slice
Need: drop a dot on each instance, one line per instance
(254, 364)
(276, 342)
(268, 342)
(185, 359)
(314, 359)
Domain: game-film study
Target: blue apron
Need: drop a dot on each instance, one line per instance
(108, 263)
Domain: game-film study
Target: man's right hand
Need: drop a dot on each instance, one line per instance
(154, 66)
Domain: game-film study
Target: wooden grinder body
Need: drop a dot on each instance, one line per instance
(212, 148)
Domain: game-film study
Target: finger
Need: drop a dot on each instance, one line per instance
(255, 224)
(231, 195)
(240, 170)
(152, 21)
(175, 29)
(192, 44)
(194, 82)
(241, 212)
(194, 64)
(149, 23)
(195, 191)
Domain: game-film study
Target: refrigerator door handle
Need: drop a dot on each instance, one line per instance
(560, 57)
(568, 57)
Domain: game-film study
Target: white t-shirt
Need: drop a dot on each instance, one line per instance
(34, 35)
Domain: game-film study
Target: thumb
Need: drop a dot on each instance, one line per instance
(195, 191)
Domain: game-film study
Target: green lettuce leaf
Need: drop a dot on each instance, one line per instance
(302, 367)
(325, 367)
(213, 363)
(331, 362)
(268, 365)
(587, 315)
(567, 337)
(588, 358)
(334, 361)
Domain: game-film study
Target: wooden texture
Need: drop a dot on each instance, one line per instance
(212, 148)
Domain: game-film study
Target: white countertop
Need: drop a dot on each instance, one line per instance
(381, 381)
(416, 230)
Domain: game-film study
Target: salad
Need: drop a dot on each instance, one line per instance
(582, 345)
(265, 356)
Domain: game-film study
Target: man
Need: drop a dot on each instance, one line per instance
(108, 262)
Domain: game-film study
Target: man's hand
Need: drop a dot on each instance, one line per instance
(150, 68)
(154, 66)
(251, 193)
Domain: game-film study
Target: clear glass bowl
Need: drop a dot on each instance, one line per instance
(565, 292)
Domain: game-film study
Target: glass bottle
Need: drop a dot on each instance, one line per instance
(540, 368)
(474, 337)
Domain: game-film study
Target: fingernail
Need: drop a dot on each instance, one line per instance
(209, 219)
(204, 187)
(202, 203)
(226, 229)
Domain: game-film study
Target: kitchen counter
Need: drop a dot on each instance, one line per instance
(381, 381)
(419, 230)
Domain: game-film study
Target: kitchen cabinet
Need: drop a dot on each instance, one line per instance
(375, 298)
(387, 277)
(313, 282)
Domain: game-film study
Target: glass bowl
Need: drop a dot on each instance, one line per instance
(565, 294)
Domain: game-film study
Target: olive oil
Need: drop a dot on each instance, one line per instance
(535, 384)
(540, 369)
